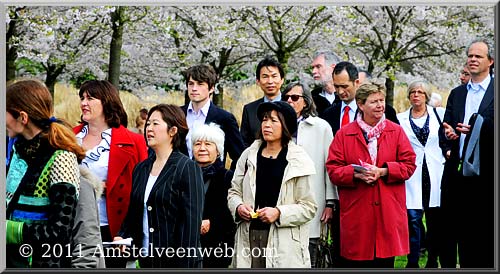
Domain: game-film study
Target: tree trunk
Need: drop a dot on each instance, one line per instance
(218, 99)
(53, 71)
(115, 47)
(11, 62)
(283, 57)
(11, 52)
(389, 86)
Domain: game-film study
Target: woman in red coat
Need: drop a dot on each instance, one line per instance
(112, 151)
(372, 198)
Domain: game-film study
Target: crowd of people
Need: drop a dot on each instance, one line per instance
(336, 156)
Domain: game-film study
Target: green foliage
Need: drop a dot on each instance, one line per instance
(169, 87)
(29, 66)
(80, 79)
(237, 75)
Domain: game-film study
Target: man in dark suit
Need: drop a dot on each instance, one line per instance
(346, 81)
(200, 82)
(270, 76)
(467, 200)
(324, 94)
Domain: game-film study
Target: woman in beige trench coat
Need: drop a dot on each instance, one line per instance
(272, 209)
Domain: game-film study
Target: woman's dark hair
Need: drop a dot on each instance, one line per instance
(174, 117)
(112, 107)
(310, 107)
(285, 133)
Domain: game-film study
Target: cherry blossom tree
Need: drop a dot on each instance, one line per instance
(397, 43)
(422, 40)
(120, 16)
(285, 29)
(14, 31)
(54, 38)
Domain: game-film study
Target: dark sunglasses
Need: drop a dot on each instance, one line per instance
(294, 97)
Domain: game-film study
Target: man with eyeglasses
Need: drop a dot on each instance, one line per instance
(464, 75)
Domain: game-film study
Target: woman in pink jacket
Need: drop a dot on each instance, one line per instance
(369, 161)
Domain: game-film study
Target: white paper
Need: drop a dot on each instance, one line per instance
(127, 242)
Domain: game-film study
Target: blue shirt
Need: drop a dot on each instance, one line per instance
(475, 94)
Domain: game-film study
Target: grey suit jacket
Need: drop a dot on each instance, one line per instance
(86, 235)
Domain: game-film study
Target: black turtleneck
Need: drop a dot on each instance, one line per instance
(269, 176)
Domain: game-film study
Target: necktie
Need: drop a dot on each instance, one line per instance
(345, 118)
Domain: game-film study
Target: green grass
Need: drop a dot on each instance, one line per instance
(400, 261)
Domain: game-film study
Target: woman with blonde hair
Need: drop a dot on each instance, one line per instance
(43, 180)
(421, 122)
(369, 161)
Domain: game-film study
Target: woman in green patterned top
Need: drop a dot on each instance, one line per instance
(43, 180)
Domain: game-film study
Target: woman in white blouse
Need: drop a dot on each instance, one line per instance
(423, 190)
(112, 151)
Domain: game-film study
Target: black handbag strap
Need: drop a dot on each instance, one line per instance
(437, 116)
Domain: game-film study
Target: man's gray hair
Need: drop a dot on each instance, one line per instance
(330, 57)
(210, 133)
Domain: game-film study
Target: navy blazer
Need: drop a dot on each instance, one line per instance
(332, 115)
(468, 202)
(250, 123)
(233, 143)
(321, 102)
(454, 114)
(174, 207)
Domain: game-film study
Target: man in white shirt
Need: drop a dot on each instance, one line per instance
(200, 83)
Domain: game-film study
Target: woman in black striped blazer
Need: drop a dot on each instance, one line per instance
(166, 203)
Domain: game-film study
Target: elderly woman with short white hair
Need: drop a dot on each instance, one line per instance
(218, 227)
(423, 189)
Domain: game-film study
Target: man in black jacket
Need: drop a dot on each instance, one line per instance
(324, 94)
(270, 76)
(200, 82)
(346, 81)
(467, 200)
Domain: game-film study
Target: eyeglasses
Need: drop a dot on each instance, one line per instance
(417, 92)
(295, 97)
